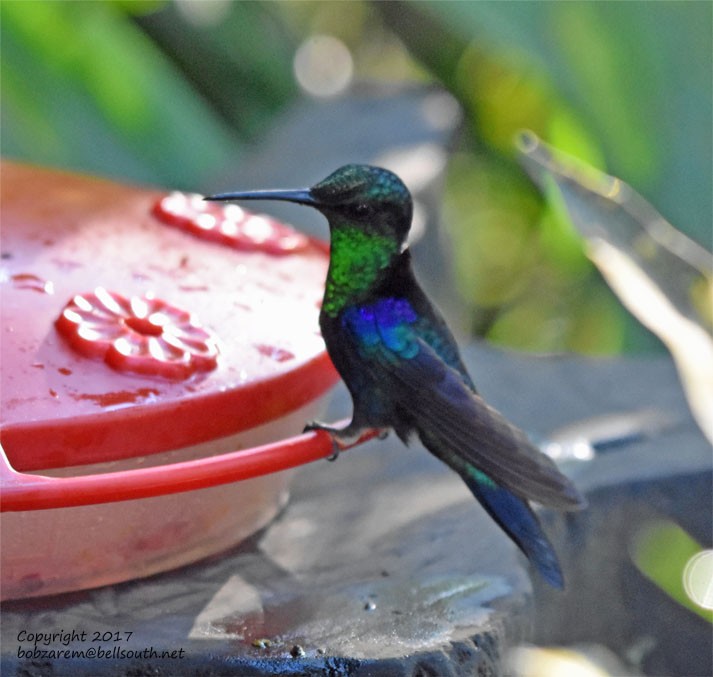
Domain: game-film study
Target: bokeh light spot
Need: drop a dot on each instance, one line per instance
(698, 578)
(323, 66)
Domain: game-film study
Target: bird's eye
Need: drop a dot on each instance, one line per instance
(361, 209)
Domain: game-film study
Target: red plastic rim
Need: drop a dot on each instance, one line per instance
(24, 492)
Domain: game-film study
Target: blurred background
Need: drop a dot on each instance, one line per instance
(180, 93)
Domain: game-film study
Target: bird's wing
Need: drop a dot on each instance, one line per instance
(453, 422)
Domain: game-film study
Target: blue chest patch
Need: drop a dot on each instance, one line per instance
(388, 323)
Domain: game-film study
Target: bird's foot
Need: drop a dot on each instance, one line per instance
(342, 438)
(347, 437)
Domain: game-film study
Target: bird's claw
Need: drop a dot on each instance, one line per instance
(315, 425)
(335, 433)
(345, 438)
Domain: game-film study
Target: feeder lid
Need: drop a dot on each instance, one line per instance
(137, 321)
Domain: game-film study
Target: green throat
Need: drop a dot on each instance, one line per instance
(356, 259)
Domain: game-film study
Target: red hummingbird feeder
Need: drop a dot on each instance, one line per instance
(159, 354)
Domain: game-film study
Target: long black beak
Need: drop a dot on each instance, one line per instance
(301, 196)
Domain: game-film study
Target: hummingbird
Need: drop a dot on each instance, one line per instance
(401, 363)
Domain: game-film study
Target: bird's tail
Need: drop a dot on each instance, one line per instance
(517, 519)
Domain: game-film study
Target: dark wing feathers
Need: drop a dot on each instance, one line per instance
(460, 426)
(470, 429)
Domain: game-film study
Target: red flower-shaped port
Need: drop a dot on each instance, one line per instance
(141, 334)
(227, 224)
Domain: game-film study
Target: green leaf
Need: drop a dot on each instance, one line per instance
(82, 88)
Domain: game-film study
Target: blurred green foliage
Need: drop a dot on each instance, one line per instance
(83, 88)
(171, 93)
(623, 86)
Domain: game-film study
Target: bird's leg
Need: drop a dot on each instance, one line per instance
(348, 436)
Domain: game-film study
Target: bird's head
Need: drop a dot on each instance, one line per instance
(372, 199)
